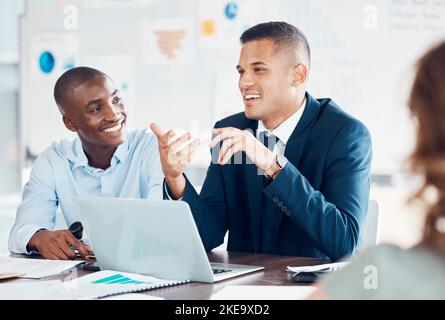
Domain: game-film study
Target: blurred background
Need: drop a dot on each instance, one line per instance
(174, 61)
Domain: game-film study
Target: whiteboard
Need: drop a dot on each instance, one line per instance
(362, 58)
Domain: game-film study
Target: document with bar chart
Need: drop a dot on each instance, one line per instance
(106, 283)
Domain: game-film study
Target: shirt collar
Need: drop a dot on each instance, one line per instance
(80, 159)
(285, 129)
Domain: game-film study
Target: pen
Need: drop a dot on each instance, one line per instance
(76, 230)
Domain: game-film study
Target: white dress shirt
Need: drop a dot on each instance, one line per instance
(284, 130)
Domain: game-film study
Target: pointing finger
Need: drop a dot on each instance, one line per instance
(156, 130)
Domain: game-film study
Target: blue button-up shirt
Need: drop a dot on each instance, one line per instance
(62, 173)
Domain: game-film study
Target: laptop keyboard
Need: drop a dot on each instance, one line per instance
(218, 271)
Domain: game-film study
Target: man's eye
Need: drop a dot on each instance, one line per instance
(96, 109)
(259, 69)
(116, 100)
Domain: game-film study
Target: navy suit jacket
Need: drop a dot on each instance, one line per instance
(315, 207)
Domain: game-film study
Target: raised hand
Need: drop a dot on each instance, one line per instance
(175, 156)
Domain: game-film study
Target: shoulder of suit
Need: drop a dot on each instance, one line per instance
(336, 116)
(237, 120)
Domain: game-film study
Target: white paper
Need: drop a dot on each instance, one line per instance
(106, 283)
(133, 296)
(35, 268)
(320, 267)
(38, 290)
(264, 293)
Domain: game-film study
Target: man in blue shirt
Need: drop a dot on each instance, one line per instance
(104, 160)
(290, 174)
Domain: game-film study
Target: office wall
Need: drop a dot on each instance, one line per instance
(9, 103)
(9, 130)
(362, 57)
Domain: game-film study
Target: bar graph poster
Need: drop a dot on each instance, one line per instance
(168, 41)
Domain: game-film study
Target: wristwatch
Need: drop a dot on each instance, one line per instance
(280, 162)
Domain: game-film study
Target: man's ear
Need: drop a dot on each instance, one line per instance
(69, 123)
(299, 74)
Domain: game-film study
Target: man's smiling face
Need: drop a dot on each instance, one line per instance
(266, 82)
(96, 112)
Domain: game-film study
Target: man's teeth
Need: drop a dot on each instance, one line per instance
(251, 96)
(113, 129)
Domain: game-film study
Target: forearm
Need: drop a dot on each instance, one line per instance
(20, 237)
(176, 186)
(37, 211)
(38, 207)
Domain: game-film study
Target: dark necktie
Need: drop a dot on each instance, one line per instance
(268, 139)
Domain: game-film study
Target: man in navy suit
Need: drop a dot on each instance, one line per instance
(290, 174)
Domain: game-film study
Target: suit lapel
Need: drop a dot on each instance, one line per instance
(295, 145)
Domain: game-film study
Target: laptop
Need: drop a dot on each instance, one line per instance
(156, 238)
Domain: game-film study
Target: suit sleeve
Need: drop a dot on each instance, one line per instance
(332, 216)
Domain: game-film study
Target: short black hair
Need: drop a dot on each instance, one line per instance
(72, 79)
(283, 34)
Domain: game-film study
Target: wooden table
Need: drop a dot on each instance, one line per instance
(274, 274)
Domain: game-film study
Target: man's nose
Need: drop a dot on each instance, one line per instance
(245, 82)
(112, 113)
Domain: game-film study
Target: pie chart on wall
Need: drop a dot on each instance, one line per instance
(231, 10)
(46, 62)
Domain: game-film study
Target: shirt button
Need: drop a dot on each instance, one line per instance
(280, 203)
(283, 208)
(288, 213)
(275, 199)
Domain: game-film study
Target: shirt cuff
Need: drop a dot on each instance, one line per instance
(20, 240)
(168, 194)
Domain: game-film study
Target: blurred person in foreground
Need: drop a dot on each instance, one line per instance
(389, 272)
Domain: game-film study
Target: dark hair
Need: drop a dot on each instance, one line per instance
(427, 105)
(71, 79)
(283, 34)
